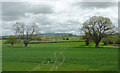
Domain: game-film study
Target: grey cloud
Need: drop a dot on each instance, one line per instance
(9, 18)
(40, 19)
(13, 10)
(43, 20)
(96, 4)
(41, 9)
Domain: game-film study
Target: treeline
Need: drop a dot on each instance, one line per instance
(15, 39)
(46, 38)
(110, 39)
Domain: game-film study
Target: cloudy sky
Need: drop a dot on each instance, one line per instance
(55, 16)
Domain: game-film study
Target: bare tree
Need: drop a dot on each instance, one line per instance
(97, 27)
(26, 32)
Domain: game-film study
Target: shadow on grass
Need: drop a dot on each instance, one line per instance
(91, 46)
(7, 46)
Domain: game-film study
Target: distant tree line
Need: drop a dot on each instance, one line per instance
(96, 28)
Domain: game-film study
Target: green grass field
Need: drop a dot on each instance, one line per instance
(65, 56)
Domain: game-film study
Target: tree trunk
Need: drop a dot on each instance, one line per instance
(12, 43)
(97, 44)
(26, 44)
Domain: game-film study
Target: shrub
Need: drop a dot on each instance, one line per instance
(63, 38)
(105, 41)
(12, 40)
(86, 39)
(87, 42)
(117, 40)
(67, 38)
(39, 39)
(111, 41)
(108, 40)
(0, 38)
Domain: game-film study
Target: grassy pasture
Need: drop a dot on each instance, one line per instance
(65, 56)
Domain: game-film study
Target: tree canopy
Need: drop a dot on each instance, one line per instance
(97, 27)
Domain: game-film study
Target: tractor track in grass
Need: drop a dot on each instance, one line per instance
(55, 65)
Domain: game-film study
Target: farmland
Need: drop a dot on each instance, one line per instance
(60, 56)
(59, 35)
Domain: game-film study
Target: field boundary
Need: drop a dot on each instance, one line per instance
(55, 42)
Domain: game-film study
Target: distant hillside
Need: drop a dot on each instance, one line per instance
(47, 34)
(5, 36)
(53, 34)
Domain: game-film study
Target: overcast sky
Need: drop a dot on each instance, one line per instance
(55, 16)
